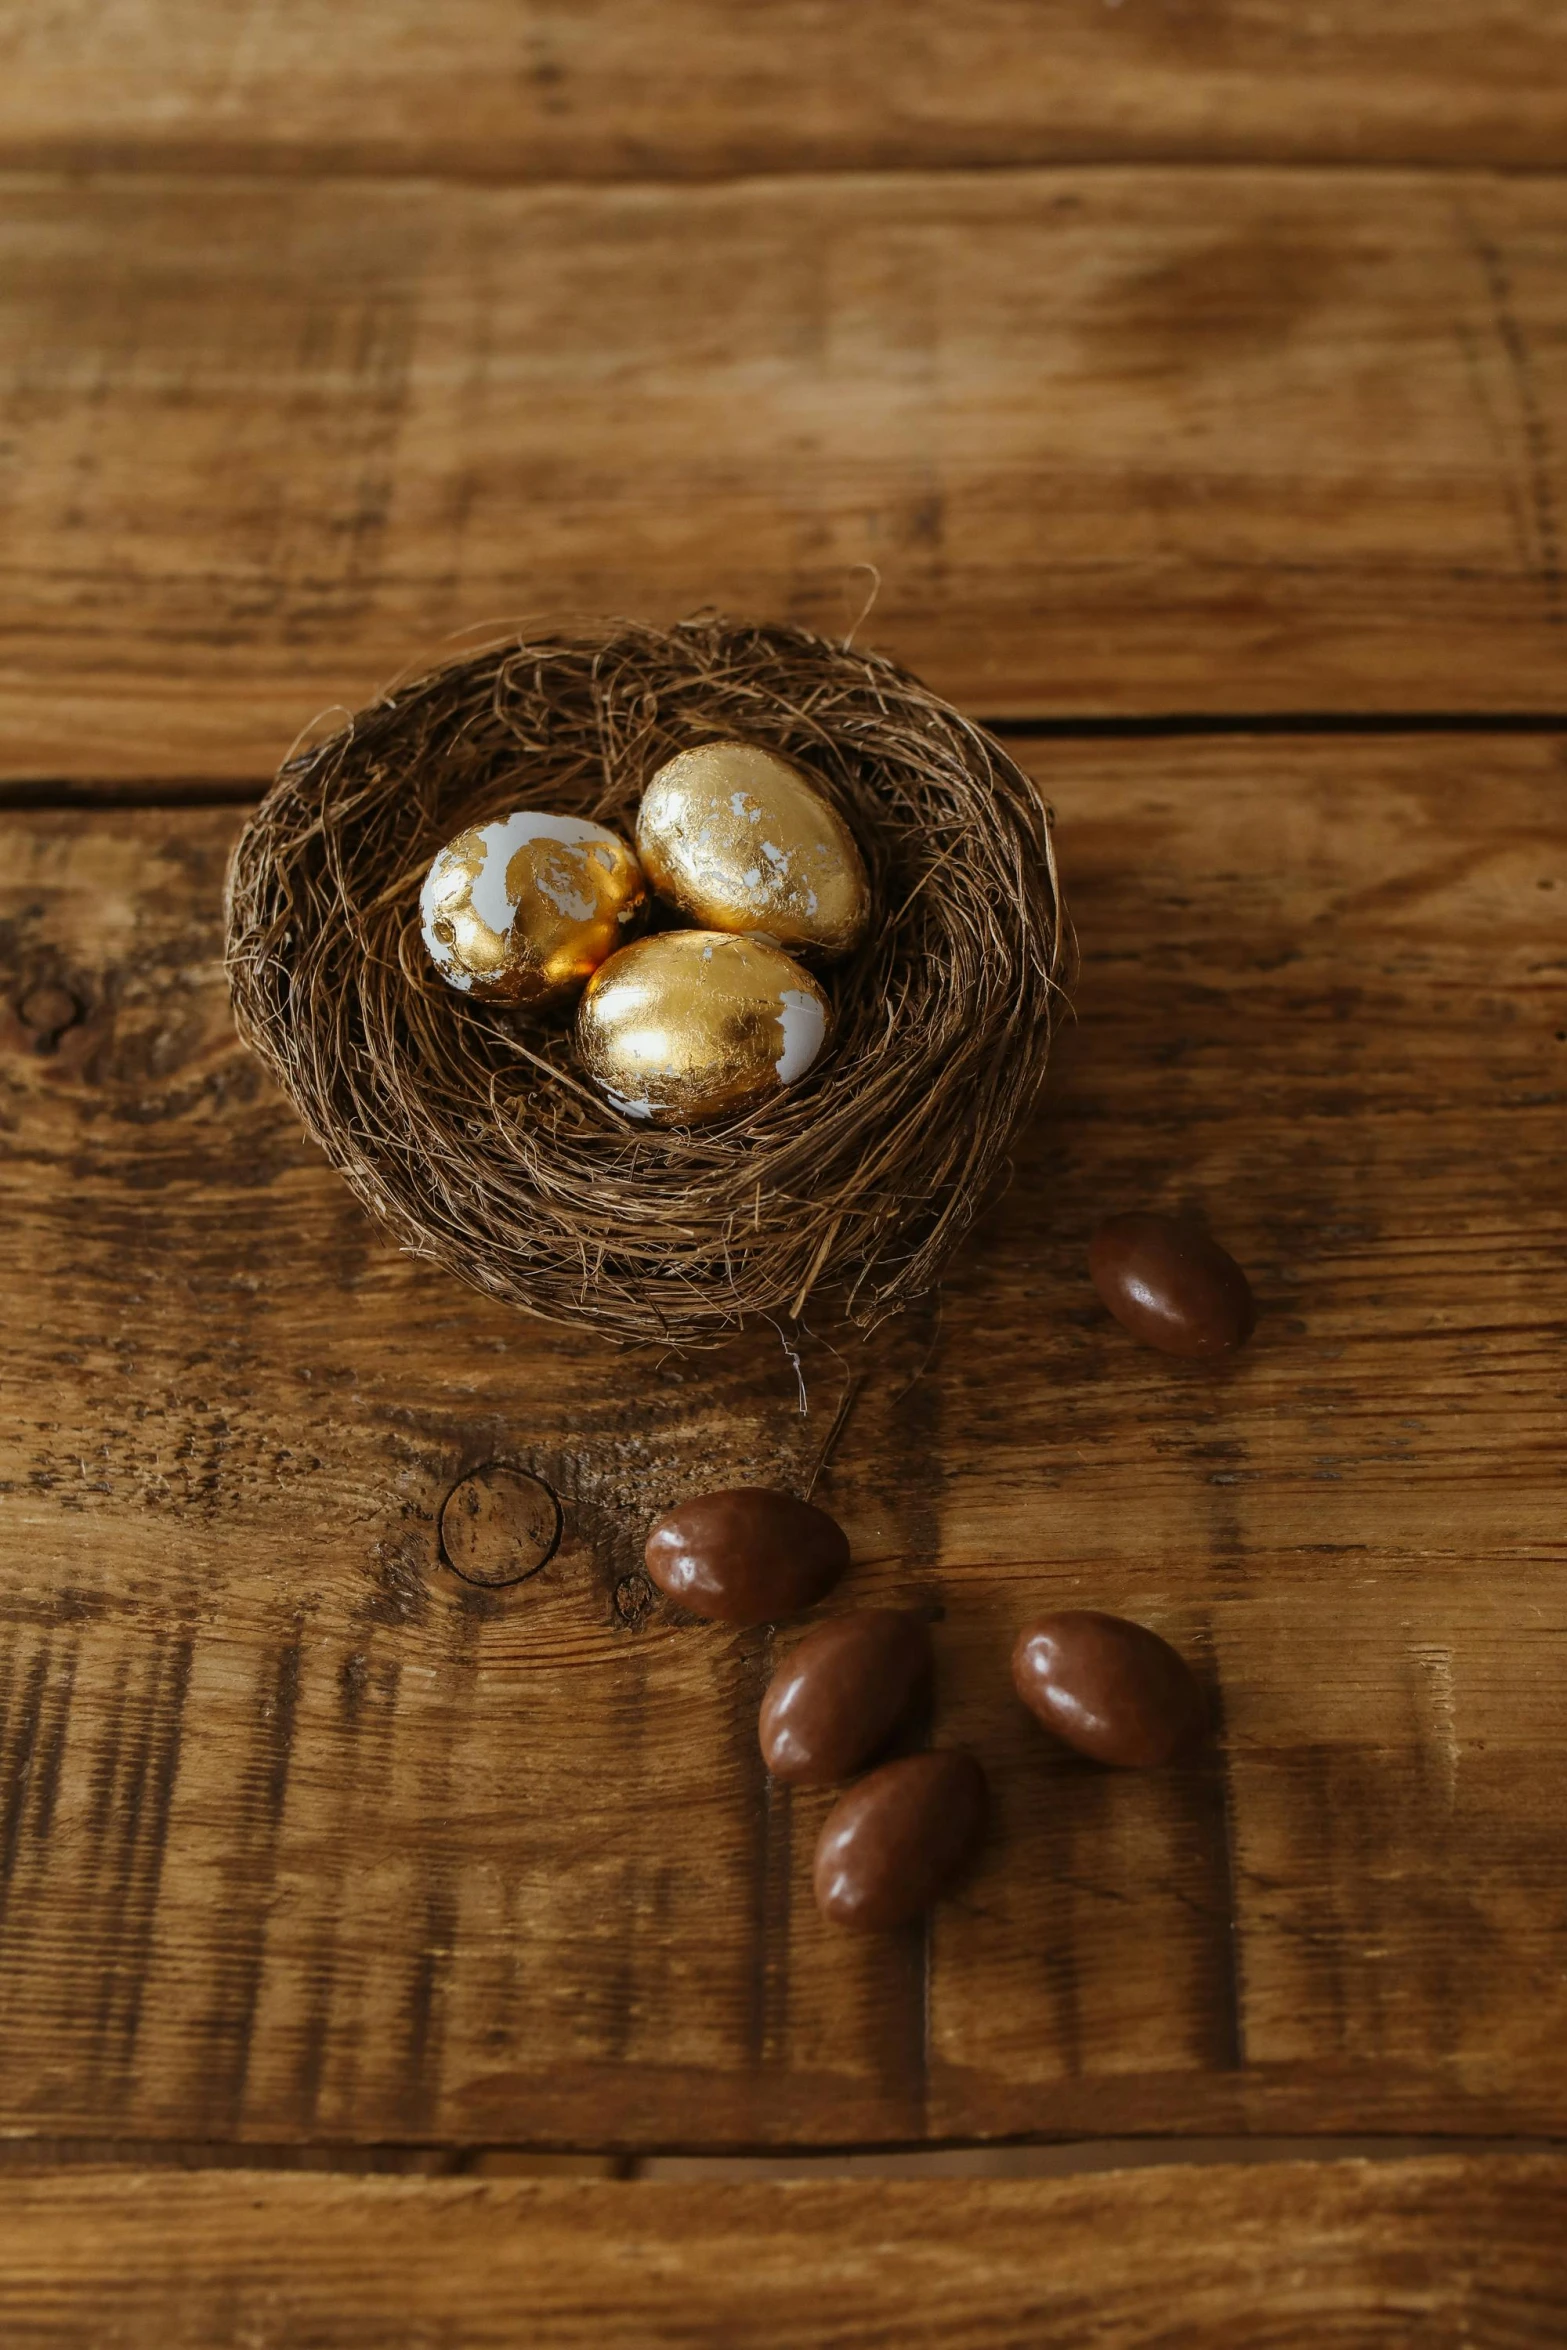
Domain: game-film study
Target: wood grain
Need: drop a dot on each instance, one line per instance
(1448, 2254)
(687, 88)
(303, 1837)
(1114, 442)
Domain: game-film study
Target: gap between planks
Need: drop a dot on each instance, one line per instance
(972, 2159)
(32, 794)
(109, 159)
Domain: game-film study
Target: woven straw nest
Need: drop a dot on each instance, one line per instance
(469, 1130)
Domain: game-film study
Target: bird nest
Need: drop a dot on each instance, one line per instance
(468, 1129)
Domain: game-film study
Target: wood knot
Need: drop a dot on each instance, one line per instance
(46, 1011)
(499, 1525)
(633, 1599)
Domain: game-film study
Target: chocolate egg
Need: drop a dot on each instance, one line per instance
(748, 1555)
(838, 1696)
(740, 839)
(524, 910)
(896, 1841)
(1171, 1284)
(693, 1024)
(1108, 1687)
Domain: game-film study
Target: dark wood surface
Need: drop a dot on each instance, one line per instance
(659, 89)
(305, 1835)
(1443, 2255)
(1117, 442)
(1172, 368)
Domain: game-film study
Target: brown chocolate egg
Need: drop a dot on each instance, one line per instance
(524, 910)
(1171, 1284)
(692, 1024)
(748, 1555)
(839, 1696)
(742, 840)
(893, 1844)
(1108, 1687)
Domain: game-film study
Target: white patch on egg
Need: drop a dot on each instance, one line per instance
(437, 883)
(632, 1109)
(577, 905)
(428, 903)
(501, 840)
(804, 1025)
(531, 824)
(488, 895)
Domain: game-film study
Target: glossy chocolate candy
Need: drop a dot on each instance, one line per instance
(840, 1695)
(1110, 1688)
(894, 1843)
(747, 1555)
(1171, 1284)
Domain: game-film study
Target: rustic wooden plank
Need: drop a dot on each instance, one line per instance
(1450, 2254)
(683, 88)
(1359, 1068)
(301, 1836)
(1115, 442)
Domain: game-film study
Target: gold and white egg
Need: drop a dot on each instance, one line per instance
(525, 909)
(691, 1025)
(740, 839)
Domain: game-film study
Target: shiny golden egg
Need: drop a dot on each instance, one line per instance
(698, 1024)
(524, 910)
(740, 839)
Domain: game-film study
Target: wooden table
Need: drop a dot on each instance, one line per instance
(1191, 373)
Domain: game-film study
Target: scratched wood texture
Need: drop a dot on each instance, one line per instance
(1440, 2255)
(680, 88)
(300, 1837)
(1116, 441)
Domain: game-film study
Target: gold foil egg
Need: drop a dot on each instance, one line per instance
(697, 1024)
(524, 910)
(740, 839)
